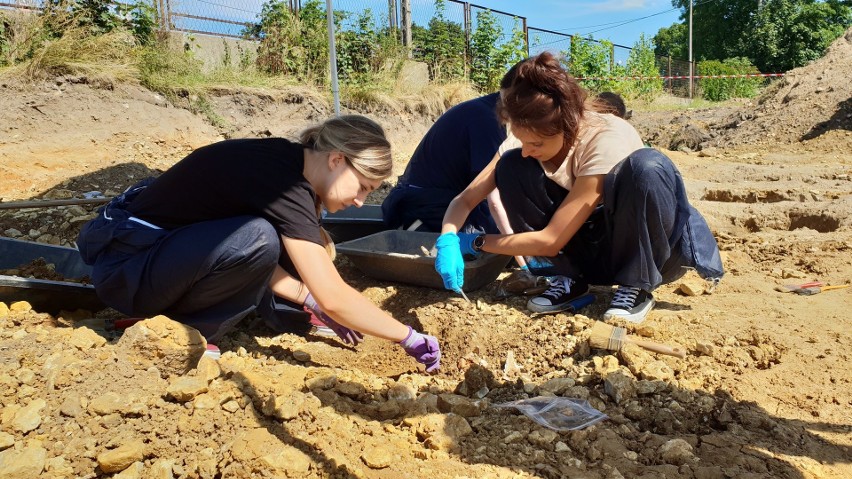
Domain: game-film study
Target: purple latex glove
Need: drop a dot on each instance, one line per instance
(423, 348)
(348, 336)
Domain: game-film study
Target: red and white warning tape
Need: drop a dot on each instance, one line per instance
(684, 77)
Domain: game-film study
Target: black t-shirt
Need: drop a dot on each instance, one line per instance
(257, 177)
(458, 146)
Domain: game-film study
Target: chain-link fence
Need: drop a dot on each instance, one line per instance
(456, 39)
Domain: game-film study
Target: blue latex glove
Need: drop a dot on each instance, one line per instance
(449, 262)
(423, 348)
(348, 336)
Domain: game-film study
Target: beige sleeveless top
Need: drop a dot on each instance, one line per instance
(603, 141)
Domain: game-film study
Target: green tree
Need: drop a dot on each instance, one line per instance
(441, 45)
(489, 57)
(641, 62)
(590, 58)
(772, 34)
(717, 26)
(794, 33)
(483, 48)
(672, 41)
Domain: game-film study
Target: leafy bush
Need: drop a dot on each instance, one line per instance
(98, 17)
(641, 62)
(294, 44)
(141, 19)
(441, 46)
(364, 52)
(589, 58)
(720, 89)
(489, 58)
(5, 43)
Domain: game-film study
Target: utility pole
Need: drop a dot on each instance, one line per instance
(691, 63)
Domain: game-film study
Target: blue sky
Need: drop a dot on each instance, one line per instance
(604, 20)
(619, 21)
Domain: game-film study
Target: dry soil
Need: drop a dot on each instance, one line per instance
(765, 390)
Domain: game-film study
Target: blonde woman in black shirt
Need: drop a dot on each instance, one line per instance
(234, 227)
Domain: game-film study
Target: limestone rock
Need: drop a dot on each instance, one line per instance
(27, 463)
(72, 406)
(20, 306)
(121, 457)
(58, 467)
(620, 385)
(677, 452)
(460, 405)
(6, 440)
(171, 347)
(557, 386)
(28, 417)
(657, 370)
(133, 472)
(208, 368)
(258, 446)
(440, 431)
(84, 338)
(377, 457)
(401, 392)
(107, 403)
(185, 388)
(692, 287)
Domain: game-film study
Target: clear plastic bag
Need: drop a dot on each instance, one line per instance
(558, 413)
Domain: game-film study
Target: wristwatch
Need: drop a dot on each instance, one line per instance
(478, 243)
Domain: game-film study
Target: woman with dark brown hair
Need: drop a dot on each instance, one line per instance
(584, 197)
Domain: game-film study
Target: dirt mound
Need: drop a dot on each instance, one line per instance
(807, 103)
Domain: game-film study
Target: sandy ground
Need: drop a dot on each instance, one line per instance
(765, 389)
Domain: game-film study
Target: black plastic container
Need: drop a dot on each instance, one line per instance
(352, 223)
(45, 295)
(398, 255)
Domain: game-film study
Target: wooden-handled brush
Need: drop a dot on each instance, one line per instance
(605, 336)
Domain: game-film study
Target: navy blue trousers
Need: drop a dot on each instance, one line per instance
(406, 204)
(207, 275)
(644, 234)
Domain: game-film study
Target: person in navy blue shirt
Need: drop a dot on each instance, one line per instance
(455, 149)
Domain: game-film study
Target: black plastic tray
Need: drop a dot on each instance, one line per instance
(352, 223)
(398, 255)
(46, 295)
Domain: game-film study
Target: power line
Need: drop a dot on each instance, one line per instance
(614, 24)
(621, 23)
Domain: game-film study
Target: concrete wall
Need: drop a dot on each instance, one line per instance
(213, 50)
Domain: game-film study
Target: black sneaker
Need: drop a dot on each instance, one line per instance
(558, 296)
(630, 304)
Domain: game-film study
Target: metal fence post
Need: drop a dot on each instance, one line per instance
(332, 56)
(467, 52)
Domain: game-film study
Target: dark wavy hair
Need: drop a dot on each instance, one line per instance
(543, 98)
